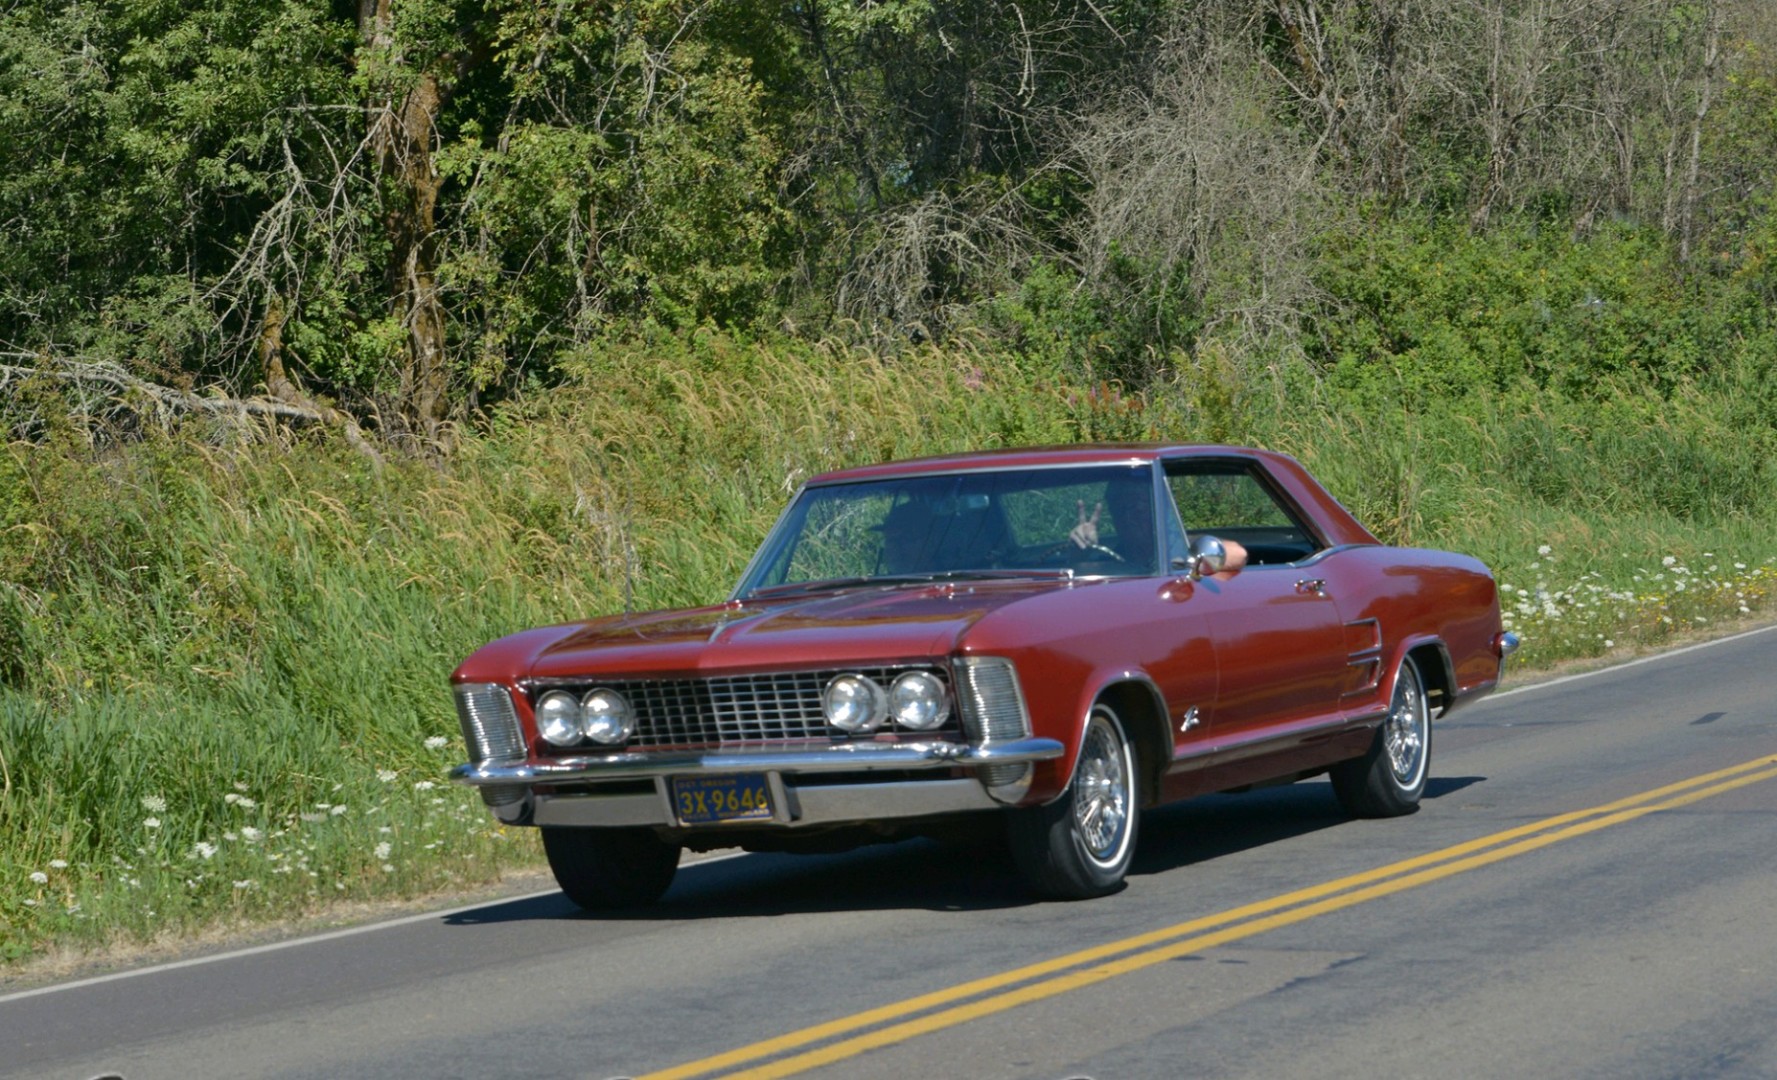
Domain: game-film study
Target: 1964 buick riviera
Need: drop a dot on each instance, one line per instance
(1056, 638)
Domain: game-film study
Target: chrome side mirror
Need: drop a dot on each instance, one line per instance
(1208, 557)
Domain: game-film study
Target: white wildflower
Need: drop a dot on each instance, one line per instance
(382, 851)
(436, 742)
(154, 804)
(337, 810)
(387, 776)
(244, 884)
(1609, 644)
(240, 785)
(250, 834)
(1544, 550)
(424, 785)
(39, 877)
(151, 823)
(1670, 560)
(230, 837)
(58, 864)
(205, 850)
(388, 868)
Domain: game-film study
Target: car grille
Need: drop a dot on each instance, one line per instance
(734, 710)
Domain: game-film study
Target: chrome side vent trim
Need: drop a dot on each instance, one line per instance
(490, 723)
(993, 711)
(491, 732)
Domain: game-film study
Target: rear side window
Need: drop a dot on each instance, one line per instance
(1230, 500)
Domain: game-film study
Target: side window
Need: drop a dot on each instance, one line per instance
(1230, 501)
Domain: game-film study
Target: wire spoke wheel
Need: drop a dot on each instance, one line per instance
(1390, 778)
(1407, 731)
(1103, 792)
(1080, 845)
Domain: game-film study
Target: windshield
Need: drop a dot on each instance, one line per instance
(1088, 520)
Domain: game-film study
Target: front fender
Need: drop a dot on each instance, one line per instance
(1139, 703)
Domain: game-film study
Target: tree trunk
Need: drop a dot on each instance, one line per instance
(1687, 202)
(403, 130)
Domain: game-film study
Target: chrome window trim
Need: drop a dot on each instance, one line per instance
(1256, 471)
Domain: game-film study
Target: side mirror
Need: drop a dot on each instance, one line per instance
(1208, 557)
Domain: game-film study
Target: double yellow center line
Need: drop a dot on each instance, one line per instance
(968, 1001)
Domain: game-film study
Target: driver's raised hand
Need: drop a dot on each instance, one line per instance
(1085, 534)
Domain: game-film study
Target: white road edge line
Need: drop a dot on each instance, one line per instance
(426, 916)
(313, 939)
(1637, 662)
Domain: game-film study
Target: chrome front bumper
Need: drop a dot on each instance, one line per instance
(826, 803)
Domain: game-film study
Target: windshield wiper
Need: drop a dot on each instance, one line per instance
(924, 577)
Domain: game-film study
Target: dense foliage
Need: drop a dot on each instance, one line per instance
(415, 207)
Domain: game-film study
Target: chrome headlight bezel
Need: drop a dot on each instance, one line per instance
(558, 716)
(919, 701)
(606, 717)
(854, 703)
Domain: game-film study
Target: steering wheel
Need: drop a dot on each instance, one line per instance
(1055, 551)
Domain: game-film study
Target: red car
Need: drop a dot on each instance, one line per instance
(1055, 638)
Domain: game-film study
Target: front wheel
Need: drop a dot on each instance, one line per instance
(1080, 845)
(1389, 779)
(606, 869)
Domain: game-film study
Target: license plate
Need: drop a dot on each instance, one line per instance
(701, 800)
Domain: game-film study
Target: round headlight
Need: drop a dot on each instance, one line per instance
(606, 718)
(558, 718)
(917, 701)
(854, 703)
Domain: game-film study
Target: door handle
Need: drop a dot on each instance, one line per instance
(1317, 586)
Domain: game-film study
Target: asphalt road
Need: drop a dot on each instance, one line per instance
(1590, 890)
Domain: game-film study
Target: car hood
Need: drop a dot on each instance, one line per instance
(852, 626)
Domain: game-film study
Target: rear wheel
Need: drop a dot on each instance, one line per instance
(1390, 778)
(1080, 845)
(605, 869)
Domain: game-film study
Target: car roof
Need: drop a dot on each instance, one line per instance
(1334, 523)
(1028, 457)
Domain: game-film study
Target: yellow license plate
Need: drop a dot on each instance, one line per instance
(701, 800)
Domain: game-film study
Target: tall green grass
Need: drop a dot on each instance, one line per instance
(223, 663)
